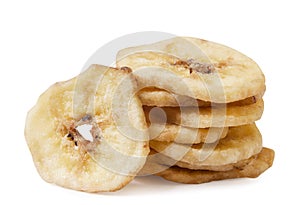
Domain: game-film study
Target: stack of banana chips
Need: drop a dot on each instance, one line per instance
(201, 100)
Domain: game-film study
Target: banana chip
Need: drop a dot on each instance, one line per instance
(103, 100)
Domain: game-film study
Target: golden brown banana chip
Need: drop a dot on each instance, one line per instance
(226, 167)
(256, 167)
(98, 99)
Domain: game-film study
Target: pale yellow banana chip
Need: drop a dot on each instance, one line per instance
(161, 98)
(204, 117)
(185, 135)
(156, 163)
(240, 143)
(197, 68)
(99, 98)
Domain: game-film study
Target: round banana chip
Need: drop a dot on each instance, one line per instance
(110, 152)
(238, 165)
(156, 160)
(256, 167)
(211, 116)
(213, 72)
(152, 96)
(240, 143)
(185, 135)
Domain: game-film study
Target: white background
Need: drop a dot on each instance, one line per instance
(45, 42)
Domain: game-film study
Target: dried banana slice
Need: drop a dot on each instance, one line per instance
(157, 162)
(152, 96)
(186, 135)
(210, 71)
(117, 148)
(240, 143)
(256, 167)
(211, 116)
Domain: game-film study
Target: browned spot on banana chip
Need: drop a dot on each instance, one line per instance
(204, 68)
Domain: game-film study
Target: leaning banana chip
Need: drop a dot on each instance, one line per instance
(117, 148)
